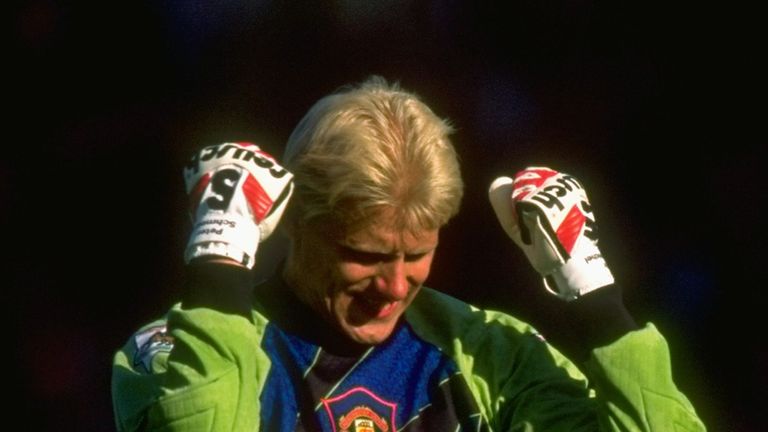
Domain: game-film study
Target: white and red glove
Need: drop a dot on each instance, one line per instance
(237, 195)
(547, 214)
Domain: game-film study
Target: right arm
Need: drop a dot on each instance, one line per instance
(202, 367)
(203, 371)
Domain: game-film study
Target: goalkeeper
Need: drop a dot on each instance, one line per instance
(344, 336)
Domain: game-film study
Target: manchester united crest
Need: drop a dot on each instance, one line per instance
(360, 410)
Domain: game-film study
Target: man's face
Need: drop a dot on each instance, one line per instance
(361, 280)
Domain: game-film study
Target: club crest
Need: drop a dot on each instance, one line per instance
(359, 410)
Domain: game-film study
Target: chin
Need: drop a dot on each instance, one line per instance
(370, 334)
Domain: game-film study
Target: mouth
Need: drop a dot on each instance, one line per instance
(372, 308)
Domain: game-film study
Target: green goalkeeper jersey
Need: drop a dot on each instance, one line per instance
(448, 366)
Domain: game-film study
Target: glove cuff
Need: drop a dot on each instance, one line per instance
(224, 288)
(226, 235)
(579, 275)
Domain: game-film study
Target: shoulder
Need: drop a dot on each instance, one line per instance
(444, 320)
(144, 347)
(489, 347)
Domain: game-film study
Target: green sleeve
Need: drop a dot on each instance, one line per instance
(209, 381)
(635, 390)
(522, 383)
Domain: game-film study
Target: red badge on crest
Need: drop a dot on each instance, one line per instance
(359, 410)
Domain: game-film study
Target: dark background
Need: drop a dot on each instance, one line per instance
(645, 102)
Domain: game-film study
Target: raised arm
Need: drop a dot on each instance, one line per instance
(201, 366)
(548, 215)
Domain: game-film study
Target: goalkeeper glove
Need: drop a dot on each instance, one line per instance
(547, 214)
(237, 195)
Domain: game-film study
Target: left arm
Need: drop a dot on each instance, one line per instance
(547, 214)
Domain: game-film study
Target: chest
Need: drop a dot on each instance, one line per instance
(404, 384)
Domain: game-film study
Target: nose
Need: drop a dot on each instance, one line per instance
(392, 279)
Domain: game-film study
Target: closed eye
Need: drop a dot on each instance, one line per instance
(415, 257)
(363, 257)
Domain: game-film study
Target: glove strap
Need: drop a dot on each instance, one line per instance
(225, 235)
(579, 275)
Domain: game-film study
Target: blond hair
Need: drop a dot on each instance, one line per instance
(369, 146)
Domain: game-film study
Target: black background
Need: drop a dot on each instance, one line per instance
(646, 103)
